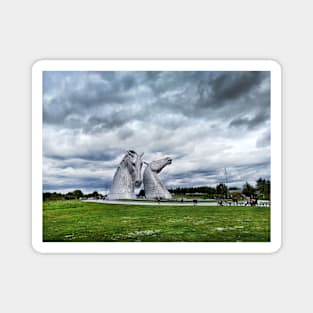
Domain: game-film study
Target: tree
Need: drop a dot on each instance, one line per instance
(260, 187)
(267, 193)
(234, 189)
(221, 189)
(52, 196)
(77, 194)
(263, 188)
(248, 190)
(95, 194)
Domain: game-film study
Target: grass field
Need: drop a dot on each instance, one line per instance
(89, 222)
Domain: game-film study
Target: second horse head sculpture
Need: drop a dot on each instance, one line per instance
(154, 188)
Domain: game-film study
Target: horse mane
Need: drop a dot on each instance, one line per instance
(125, 158)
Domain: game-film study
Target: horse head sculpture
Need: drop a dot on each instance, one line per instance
(154, 188)
(158, 165)
(127, 177)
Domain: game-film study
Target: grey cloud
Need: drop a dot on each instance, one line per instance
(100, 154)
(231, 93)
(264, 140)
(78, 163)
(232, 85)
(84, 97)
(159, 113)
(258, 119)
(112, 120)
(204, 172)
(81, 183)
(193, 94)
(125, 133)
(95, 94)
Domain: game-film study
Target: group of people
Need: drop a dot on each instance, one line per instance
(250, 201)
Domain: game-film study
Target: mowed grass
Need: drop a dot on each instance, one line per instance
(77, 221)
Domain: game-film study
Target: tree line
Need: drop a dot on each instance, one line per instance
(73, 195)
(261, 191)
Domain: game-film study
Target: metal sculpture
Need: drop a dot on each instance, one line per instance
(127, 177)
(154, 188)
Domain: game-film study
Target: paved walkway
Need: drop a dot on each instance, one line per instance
(153, 203)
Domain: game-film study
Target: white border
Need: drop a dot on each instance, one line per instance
(156, 65)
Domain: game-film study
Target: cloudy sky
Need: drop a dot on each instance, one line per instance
(205, 121)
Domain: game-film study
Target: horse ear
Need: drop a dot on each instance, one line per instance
(141, 155)
(145, 162)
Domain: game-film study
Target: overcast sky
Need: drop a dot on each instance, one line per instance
(205, 121)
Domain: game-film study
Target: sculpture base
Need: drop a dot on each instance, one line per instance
(120, 196)
(159, 195)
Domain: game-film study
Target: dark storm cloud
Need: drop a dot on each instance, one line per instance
(85, 155)
(232, 93)
(124, 83)
(95, 94)
(252, 166)
(78, 163)
(95, 154)
(112, 120)
(258, 119)
(198, 172)
(163, 82)
(206, 117)
(80, 183)
(82, 96)
(109, 98)
(231, 85)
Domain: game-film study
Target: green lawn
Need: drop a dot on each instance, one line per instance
(84, 221)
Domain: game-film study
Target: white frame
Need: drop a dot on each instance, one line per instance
(156, 247)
